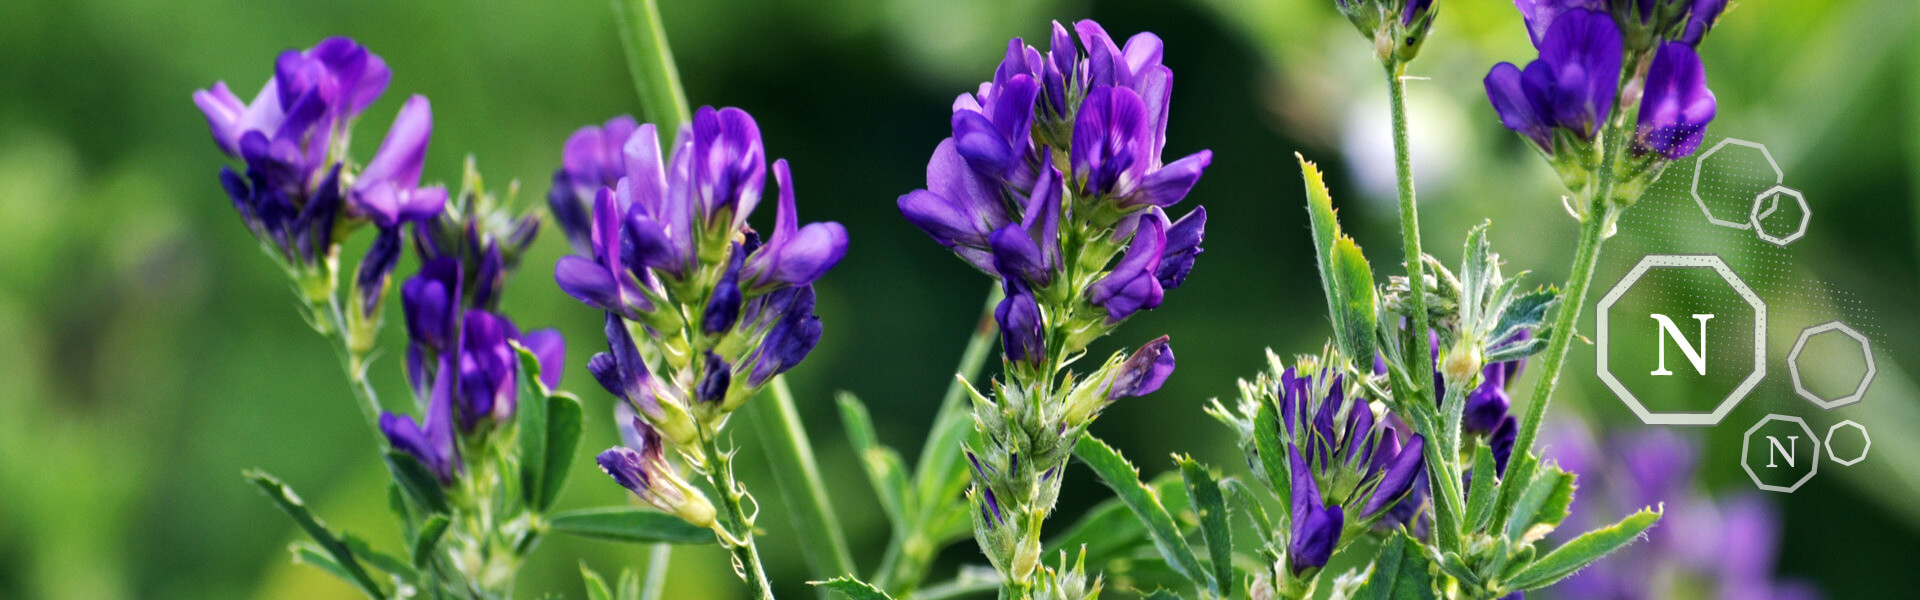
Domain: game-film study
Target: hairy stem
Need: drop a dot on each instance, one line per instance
(650, 60)
(1593, 232)
(736, 530)
(790, 455)
(355, 365)
(1422, 354)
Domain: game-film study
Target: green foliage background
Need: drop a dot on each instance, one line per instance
(149, 353)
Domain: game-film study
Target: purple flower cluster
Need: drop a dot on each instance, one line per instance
(1707, 547)
(662, 243)
(291, 139)
(1343, 462)
(1056, 160)
(1564, 98)
(462, 353)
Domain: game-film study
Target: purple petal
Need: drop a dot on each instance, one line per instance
(1676, 105)
(1171, 183)
(550, 350)
(1399, 477)
(588, 282)
(404, 152)
(1022, 339)
(1144, 372)
(1183, 245)
(1315, 529)
(1517, 109)
(1132, 287)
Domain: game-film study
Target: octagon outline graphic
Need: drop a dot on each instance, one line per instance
(1694, 261)
(1746, 441)
(1793, 365)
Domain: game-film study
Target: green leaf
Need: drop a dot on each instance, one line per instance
(1118, 474)
(1163, 594)
(335, 549)
(885, 471)
(1543, 502)
(563, 443)
(1582, 551)
(596, 587)
(428, 540)
(549, 430)
(853, 589)
(531, 417)
(1400, 571)
(1481, 493)
(416, 482)
(1109, 528)
(630, 524)
(1211, 505)
(1345, 276)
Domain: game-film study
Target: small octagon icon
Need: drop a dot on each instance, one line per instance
(1781, 446)
(1793, 364)
(1739, 392)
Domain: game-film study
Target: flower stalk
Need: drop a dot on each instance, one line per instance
(736, 529)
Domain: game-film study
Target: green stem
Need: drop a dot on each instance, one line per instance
(736, 530)
(658, 558)
(791, 457)
(1410, 235)
(355, 366)
(1593, 233)
(650, 60)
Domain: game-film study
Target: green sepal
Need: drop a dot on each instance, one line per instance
(631, 525)
(417, 483)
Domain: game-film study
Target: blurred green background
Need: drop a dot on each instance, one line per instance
(149, 353)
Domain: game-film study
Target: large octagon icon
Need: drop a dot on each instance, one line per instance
(1740, 288)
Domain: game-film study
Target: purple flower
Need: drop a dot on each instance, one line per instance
(387, 190)
(312, 93)
(1571, 86)
(1133, 285)
(489, 366)
(1359, 466)
(959, 208)
(593, 158)
(1030, 251)
(793, 255)
(487, 369)
(1144, 372)
(431, 440)
(792, 330)
(654, 218)
(1022, 332)
(642, 467)
(1183, 245)
(606, 280)
(729, 166)
(1675, 105)
(1701, 18)
(1315, 529)
(1013, 133)
(622, 371)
